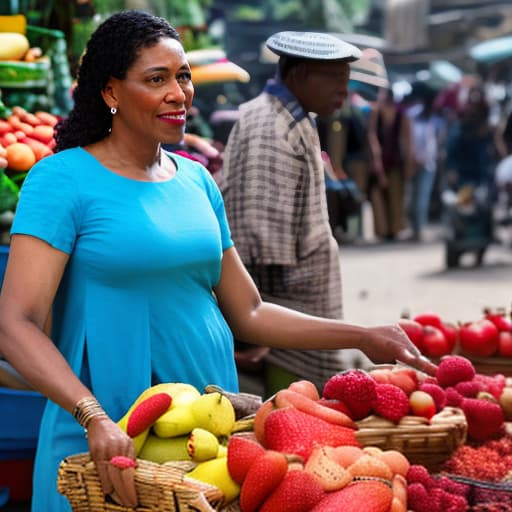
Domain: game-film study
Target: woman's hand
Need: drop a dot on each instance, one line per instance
(107, 440)
(390, 343)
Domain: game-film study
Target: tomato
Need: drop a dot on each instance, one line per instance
(500, 321)
(428, 319)
(434, 342)
(451, 333)
(479, 338)
(414, 330)
(505, 344)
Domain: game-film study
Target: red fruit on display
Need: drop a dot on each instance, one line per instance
(414, 330)
(479, 338)
(305, 387)
(405, 379)
(298, 491)
(380, 375)
(264, 475)
(296, 432)
(337, 405)
(453, 397)
(289, 398)
(454, 369)
(259, 420)
(505, 344)
(437, 393)
(242, 452)
(370, 495)
(451, 333)
(422, 404)
(147, 412)
(434, 342)
(429, 318)
(355, 388)
(499, 319)
(391, 403)
(485, 419)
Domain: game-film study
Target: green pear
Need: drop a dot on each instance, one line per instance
(215, 472)
(161, 450)
(177, 421)
(215, 413)
(202, 445)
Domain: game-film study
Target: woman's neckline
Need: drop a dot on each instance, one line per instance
(135, 180)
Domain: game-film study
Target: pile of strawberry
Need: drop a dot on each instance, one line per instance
(393, 393)
(345, 477)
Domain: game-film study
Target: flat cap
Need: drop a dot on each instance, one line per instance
(312, 45)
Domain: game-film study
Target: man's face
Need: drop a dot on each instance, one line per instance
(325, 86)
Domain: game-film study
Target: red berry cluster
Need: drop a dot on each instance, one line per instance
(426, 493)
(491, 460)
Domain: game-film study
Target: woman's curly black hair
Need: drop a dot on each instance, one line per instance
(110, 52)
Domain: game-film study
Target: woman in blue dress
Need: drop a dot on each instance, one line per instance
(129, 250)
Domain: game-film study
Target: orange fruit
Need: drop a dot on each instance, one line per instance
(397, 461)
(20, 157)
(345, 455)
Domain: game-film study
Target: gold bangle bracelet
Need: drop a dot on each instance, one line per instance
(86, 409)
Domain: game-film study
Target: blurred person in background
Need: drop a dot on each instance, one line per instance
(427, 134)
(390, 138)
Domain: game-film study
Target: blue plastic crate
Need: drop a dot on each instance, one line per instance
(20, 413)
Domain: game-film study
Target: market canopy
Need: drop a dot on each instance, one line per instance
(493, 50)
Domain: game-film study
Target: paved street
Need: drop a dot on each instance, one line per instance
(383, 279)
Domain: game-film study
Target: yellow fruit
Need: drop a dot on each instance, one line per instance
(202, 445)
(177, 421)
(161, 450)
(215, 472)
(214, 412)
(13, 45)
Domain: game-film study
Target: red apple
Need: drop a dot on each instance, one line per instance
(414, 330)
(479, 338)
(434, 342)
(422, 404)
(505, 344)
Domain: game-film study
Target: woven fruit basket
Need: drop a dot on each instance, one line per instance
(429, 443)
(160, 487)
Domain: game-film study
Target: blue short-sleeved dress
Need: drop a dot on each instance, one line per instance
(135, 306)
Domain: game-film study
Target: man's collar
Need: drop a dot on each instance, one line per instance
(276, 87)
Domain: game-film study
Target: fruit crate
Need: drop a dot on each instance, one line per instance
(159, 487)
(429, 443)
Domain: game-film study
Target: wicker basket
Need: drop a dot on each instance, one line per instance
(422, 442)
(160, 487)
